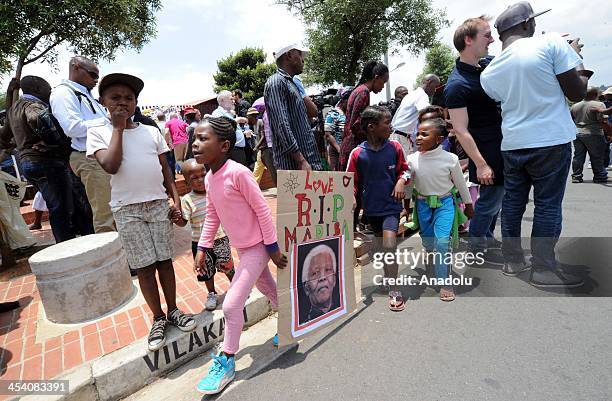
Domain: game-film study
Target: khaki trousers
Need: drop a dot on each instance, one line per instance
(259, 168)
(98, 189)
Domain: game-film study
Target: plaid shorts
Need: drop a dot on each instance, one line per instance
(224, 262)
(146, 232)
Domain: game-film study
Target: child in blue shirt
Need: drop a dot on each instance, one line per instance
(381, 172)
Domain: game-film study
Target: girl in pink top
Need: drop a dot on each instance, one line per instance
(234, 200)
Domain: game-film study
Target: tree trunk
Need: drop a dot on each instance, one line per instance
(18, 75)
(351, 73)
(10, 97)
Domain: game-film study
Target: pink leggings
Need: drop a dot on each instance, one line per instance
(252, 271)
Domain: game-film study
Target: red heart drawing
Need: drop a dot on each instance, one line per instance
(346, 180)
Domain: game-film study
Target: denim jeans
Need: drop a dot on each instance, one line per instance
(69, 211)
(595, 145)
(171, 162)
(435, 226)
(486, 210)
(545, 169)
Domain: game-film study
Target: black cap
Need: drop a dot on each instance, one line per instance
(131, 81)
(516, 14)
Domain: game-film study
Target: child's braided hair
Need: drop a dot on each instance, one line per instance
(431, 109)
(440, 124)
(224, 128)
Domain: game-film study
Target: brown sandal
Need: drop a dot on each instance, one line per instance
(447, 294)
(396, 301)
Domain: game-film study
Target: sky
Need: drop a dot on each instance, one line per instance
(177, 65)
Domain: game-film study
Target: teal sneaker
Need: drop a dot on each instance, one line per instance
(220, 374)
(275, 340)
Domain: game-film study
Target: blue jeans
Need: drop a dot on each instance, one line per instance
(435, 226)
(487, 208)
(69, 210)
(545, 169)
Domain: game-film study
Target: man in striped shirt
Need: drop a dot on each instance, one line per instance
(294, 144)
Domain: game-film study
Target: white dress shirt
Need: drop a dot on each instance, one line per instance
(240, 141)
(75, 114)
(407, 114)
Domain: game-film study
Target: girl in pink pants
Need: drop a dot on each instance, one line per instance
(234, 199)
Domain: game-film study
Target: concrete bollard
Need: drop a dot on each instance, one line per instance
(82, 279)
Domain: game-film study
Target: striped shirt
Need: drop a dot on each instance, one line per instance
(193, 207)
(289, 123)
(267, 130)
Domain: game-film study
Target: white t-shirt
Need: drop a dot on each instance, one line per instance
(436, 172)
(523, 78)
(139, 178)
(407, 114)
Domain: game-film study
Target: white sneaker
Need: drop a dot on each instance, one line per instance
(211, 301)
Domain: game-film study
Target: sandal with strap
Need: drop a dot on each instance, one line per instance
(447, 294)
(396, 301)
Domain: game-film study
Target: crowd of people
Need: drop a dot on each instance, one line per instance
(498, 127)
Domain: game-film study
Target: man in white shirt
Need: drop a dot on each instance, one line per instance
(76, 109)
(406, 117)
(226, 105)
(531, 78)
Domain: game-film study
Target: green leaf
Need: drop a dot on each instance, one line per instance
(439, 60)
(343, 35)
(246, 70)
(31, 29)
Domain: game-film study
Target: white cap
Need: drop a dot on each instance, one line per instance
(285, 49)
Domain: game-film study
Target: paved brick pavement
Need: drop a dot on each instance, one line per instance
(24, 356)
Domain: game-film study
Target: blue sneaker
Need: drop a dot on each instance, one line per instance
(220, 374)
(275, 340)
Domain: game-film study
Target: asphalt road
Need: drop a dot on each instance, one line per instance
(501, 339)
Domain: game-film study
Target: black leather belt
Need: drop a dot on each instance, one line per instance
(401, 133)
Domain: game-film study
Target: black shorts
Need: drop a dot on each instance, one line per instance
(379, 224)
(223, 259)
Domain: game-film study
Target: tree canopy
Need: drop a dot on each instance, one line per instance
(31, 30)
(439, 60)
(343, 35)
(246, 70)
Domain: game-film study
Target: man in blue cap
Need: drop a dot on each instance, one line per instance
(531, 78)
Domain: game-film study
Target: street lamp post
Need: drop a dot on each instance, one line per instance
(388, 84)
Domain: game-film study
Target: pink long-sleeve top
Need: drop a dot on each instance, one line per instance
(234, 199)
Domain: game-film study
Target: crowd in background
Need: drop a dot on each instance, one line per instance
(446, 159)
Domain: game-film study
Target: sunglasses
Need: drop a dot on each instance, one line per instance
(92, 74)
